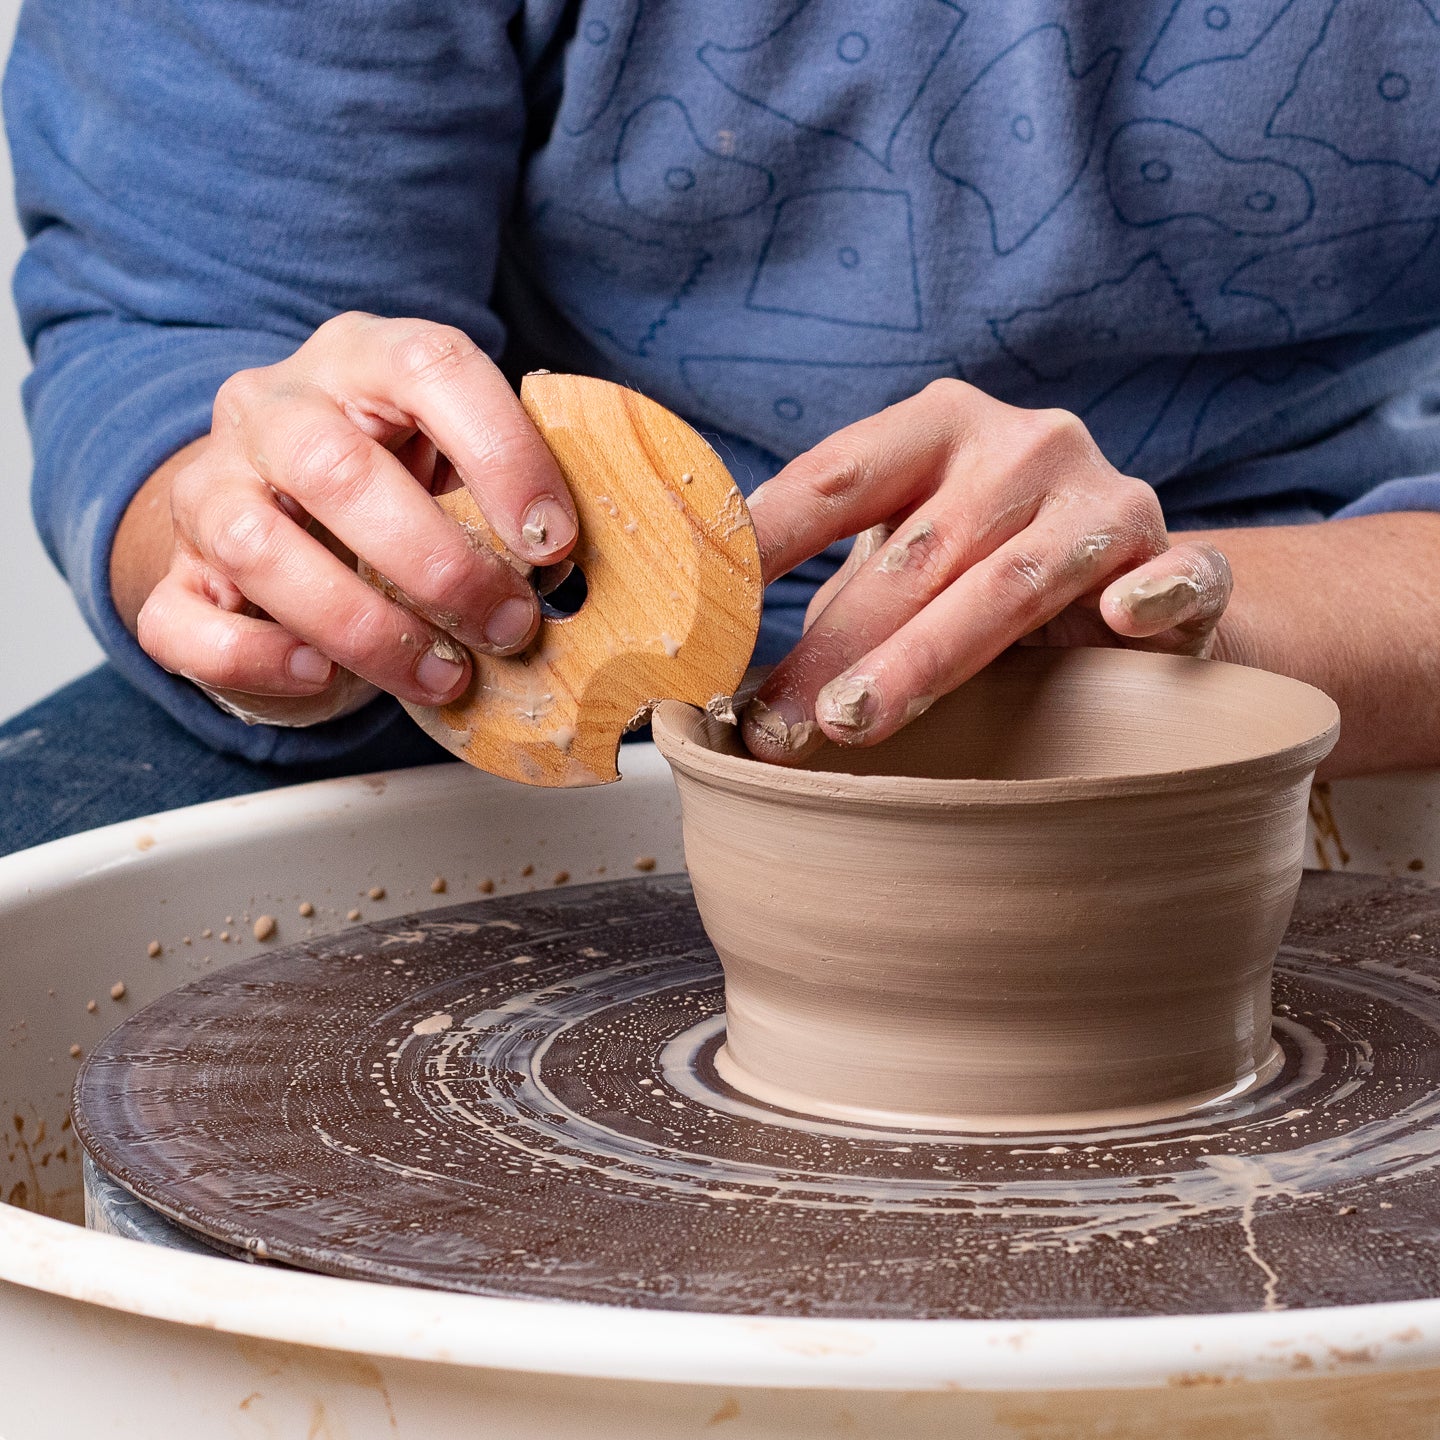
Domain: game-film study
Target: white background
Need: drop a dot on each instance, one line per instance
(43, 641)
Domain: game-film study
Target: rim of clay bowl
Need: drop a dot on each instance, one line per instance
(674, 724)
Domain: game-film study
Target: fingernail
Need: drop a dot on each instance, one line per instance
(440, 669)
(849, 704)
(308, 666)
(779, 726)
(508, 624)
(548, 527)
(551, 577)
(1159, 597)
(913, 545)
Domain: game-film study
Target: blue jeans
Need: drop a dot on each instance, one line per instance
(98, 751)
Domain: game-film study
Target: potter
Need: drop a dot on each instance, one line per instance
(356, 422)
(1053, 901)
(953, 279)
(1114, 326)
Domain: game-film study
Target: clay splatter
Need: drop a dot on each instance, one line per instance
(525, 1147)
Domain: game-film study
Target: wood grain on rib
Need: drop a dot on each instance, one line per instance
(670, 559)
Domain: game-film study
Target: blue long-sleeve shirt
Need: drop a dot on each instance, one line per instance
(1207, 228)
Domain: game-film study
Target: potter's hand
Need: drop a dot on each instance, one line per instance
(337, 450)
(995, 525)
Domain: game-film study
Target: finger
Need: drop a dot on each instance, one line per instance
(420, 457)
(865, 544)
(305, 448)
(782, 729)
(297, 581)
(438, 377)
(928, 553)
(860, 476)
(189, 635)
(551, 577)
(1174, 601)
(346, 694)
(992, 604)
(779, 723)
(886, 466)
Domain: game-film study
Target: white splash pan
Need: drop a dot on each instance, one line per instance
(107, 1336)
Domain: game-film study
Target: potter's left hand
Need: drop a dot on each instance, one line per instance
(983, 525)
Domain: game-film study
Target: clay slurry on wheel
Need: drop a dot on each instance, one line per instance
(516, 1097)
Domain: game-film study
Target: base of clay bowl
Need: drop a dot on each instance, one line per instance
(1052, 900)
(739, 1079)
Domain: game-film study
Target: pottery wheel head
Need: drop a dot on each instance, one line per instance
(518, 1097)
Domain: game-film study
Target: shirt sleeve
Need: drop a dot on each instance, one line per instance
(1410, 492)
(201, 184)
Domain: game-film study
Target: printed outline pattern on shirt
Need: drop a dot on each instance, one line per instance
(1217, 19)
(852, 257)
(792, 404)
(1254, 373)
(672, 268)
(1327, 96)
(1051, 366)
(626, 20)
(695, 167)
(1160, 169)
(1284, 264)
(709, 55)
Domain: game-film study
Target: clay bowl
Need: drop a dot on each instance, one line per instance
(1051, 902)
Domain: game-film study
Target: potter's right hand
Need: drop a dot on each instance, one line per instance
(980, 525)
(335, 453)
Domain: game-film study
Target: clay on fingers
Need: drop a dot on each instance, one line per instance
(346, 694)
(1178, 598)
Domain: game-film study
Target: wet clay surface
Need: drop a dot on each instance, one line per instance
(517, 1097)
(1053, 899)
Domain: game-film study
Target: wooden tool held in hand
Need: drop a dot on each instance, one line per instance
(672, 608)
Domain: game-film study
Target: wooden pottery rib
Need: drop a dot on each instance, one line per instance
(672, 609)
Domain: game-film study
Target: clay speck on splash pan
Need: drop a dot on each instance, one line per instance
(565, 1135)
